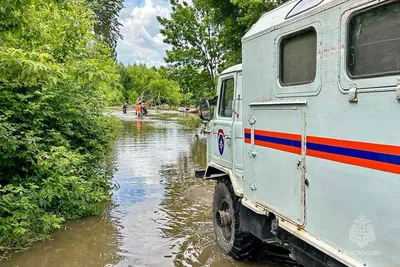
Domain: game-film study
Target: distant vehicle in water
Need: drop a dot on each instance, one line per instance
(304, 142)
(188, 110)
(193, 111)
(183, 109)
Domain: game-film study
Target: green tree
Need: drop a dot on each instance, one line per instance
(166, 91)
(194, 37)
(194, 84)
(56, 77)
(107, 26)
(141, 83)
(227, 14)
(236, 18)
(206, 38)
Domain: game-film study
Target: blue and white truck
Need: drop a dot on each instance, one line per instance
(304, 142)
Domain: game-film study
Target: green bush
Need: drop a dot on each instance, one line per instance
(56, 78)
(190, 122)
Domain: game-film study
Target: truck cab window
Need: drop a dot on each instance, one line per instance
(298, 58)
(374, 42)
(227, 91)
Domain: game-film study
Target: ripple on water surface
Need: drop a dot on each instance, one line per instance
(160, 216)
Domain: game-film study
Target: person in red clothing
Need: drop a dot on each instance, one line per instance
(139, 110)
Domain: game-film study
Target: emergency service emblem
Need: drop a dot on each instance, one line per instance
(221, 141)
(362, 232)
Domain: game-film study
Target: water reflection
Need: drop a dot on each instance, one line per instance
(88, 242)
(161, 214)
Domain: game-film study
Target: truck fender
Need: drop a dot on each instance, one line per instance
(216, 172)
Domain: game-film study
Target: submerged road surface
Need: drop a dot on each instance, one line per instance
(160, 216)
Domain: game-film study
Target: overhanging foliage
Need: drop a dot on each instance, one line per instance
(56, 77)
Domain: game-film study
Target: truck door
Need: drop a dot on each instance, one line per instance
(238, 131)
(278, 167)
(222, 139)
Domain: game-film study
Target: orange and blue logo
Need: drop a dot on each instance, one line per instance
(221, 141)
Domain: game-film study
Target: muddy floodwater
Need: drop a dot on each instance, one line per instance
(159, 216)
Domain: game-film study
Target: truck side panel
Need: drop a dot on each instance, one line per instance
(353, 148)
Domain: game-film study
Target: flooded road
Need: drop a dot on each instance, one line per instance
(160, 216)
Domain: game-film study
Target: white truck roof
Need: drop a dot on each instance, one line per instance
(280, 14)
(235, 68)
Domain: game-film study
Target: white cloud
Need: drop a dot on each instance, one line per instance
(142, 40)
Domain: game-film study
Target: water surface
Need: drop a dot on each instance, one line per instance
(160, 216)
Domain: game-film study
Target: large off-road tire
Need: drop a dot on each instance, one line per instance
(226, 209)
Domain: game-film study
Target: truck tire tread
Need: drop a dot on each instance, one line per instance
(245, 245)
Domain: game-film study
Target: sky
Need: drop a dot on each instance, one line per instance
(142, 41)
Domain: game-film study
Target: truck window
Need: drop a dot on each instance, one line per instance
(374, 42)
(298, 58)
(227, 91)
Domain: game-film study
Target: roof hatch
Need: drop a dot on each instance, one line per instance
(303, 5)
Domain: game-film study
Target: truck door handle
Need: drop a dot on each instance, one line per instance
(227, 137)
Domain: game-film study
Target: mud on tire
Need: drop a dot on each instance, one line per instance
(226, 209)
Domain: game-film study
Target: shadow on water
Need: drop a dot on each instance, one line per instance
(160, 216)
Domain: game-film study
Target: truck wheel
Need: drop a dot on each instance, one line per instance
(237, 244)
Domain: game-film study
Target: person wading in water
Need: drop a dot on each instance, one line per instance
(144, 109)
(124, 108)
(139, 110)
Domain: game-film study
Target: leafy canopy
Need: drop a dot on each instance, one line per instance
(56, 77)
(107, 26)
(206, 38)
(194, 37)
(153, 85)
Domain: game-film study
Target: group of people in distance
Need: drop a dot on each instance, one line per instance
(141, 109)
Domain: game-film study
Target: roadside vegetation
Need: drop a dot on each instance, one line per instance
(56, 77)
(151, 85)
(190, 122)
